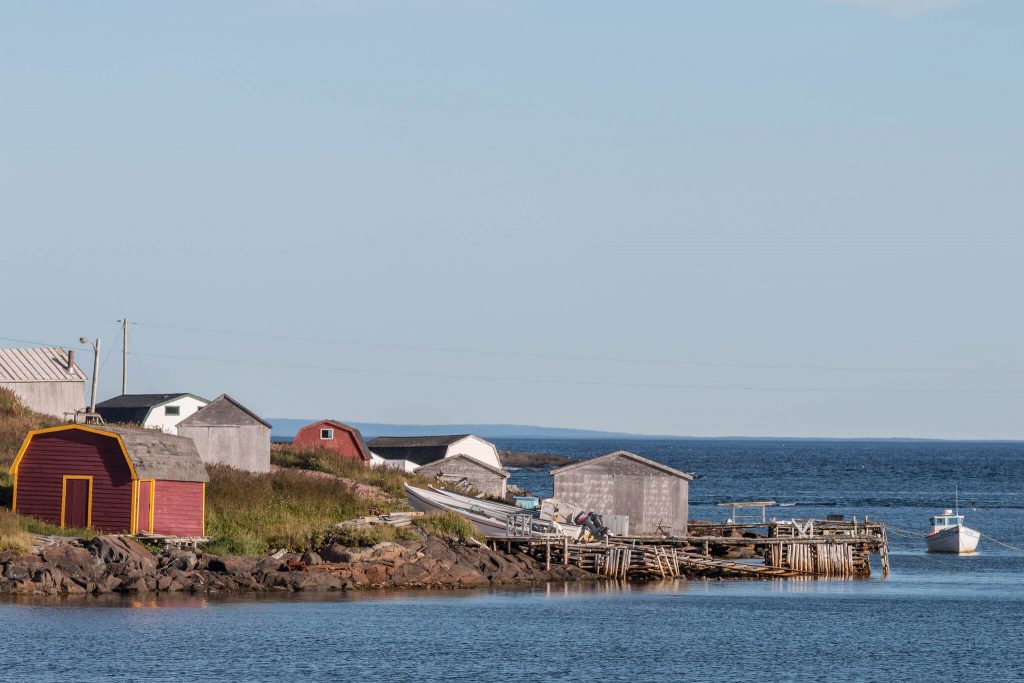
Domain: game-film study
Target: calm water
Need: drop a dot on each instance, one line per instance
(935, 618)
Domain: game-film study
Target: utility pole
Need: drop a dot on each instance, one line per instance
(95, 369)
(124, 356)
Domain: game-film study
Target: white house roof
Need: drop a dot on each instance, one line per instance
(38, 365)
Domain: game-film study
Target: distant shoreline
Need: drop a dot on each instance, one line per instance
(523, 459)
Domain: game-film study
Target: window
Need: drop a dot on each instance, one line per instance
(172, 410)
(326, 433)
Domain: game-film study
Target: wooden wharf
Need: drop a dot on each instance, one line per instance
(773, 550)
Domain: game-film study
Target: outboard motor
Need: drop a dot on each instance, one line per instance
(592, 522)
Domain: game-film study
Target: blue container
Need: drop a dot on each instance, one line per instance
(527, 502)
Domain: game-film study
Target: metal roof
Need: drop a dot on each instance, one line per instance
(37, 365)
(629, 456)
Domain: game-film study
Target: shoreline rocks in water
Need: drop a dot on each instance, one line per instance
(117, 564)
(532, 460)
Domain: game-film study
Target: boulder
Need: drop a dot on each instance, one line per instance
(182, 560)
(73, 560)
(335, 552)
(122, 550)
(234, 565)
(311, 559)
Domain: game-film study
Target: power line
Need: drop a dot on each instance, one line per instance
(35, 343)
(536, 380)
(603, 359)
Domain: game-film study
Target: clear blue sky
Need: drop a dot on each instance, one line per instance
(808, 212)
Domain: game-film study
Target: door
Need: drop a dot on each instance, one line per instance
(77, 510)
(144, 513)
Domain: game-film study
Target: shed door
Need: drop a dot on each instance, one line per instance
(76, 503)
(144, 514)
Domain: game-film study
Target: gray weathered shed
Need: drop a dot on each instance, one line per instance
(488, 480)
(45, 380)
(227, 433)
(654, 496)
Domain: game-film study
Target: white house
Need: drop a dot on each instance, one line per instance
(423, 450)
(160, 411)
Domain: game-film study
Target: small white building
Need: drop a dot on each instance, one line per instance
(44, 380)
(423, 450)
(153, 411)
(404, 465)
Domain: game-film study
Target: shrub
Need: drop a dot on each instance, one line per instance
(448, 524)
(15, 422)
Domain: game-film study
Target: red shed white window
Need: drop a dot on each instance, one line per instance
(326, 433)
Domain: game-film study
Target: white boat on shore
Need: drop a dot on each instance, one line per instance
(489, 517)
(949, 535)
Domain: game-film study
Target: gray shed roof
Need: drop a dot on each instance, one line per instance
(223, 411)
(156, 455)
(629, 456)
(38, 365)
(474, 461)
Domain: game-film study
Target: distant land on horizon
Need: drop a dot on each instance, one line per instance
(284, 429)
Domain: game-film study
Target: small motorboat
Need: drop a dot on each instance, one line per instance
(949, 535)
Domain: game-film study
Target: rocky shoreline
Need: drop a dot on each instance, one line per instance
(526, 460)
(117, 564)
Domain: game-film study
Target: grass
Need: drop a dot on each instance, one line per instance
(366, 536)
(331, 462)
(250, 514)
(12, 535)
(448, 525)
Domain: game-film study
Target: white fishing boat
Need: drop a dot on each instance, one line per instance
(949, 535)
(489, 517)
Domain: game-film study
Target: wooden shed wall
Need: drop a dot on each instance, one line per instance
(343, 443)
(178, 508)
(456, 469)
(621, 486)
(73, 452)
(49, 398)
(242, 447)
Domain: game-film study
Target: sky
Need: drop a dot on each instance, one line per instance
(787, 218)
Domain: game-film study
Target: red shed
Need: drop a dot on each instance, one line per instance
(334, 435)
(114, 479)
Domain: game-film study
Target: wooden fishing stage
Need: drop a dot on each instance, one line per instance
(770, 550)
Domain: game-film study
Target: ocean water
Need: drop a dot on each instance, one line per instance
(935, 618)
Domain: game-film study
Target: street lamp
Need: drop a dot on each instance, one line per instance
(95, 368)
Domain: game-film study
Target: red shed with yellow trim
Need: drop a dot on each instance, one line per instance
(338, 437)
(115, 479)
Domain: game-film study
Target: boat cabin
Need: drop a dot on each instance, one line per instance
(946, 520)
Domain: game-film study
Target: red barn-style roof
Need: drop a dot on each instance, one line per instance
(336, 436)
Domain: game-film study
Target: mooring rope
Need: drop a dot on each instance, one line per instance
(1005, 545)
(910, 534)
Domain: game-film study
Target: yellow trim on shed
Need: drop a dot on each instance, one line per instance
(204, 510)
(85, 428)
(64, 496)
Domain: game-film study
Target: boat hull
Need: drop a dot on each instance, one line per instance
(423, 501)
(956, 540)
